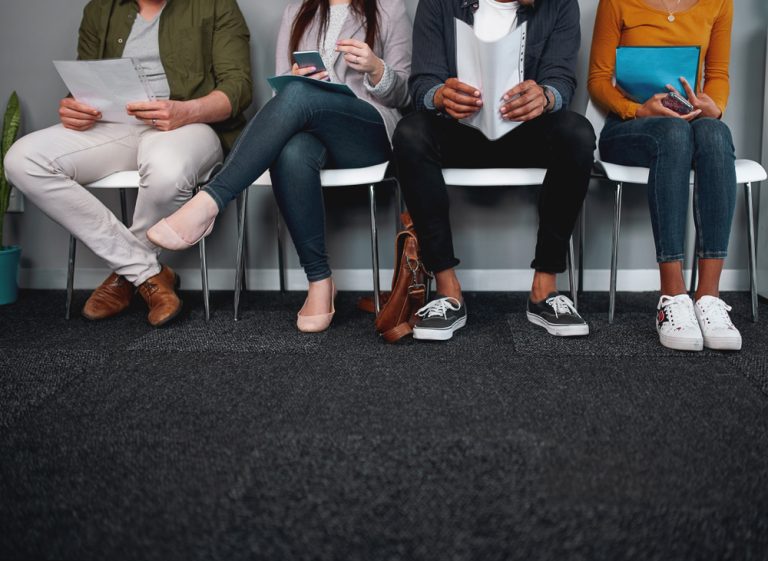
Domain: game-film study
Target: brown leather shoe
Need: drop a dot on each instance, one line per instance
(160, 295)
(109, 299)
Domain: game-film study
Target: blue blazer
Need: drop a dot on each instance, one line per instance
(552, 45)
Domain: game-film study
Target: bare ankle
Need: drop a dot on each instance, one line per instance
(543, 285)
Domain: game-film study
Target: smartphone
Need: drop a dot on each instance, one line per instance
(309, 58)
(677, 103)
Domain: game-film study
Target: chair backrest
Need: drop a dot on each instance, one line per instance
(596, 117)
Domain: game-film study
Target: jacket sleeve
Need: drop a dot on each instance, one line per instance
(557, 66)
(282, 56)
(88, 42)
(232, 56)
(430, 66)
(396, 53)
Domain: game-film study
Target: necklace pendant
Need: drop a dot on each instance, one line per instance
(671, 18)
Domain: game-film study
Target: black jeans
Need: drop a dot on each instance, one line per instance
(562, 142)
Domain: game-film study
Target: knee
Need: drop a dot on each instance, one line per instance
(296, 93)
(302, 150)
(20, 163)
(164, 179)
(713, 136)
(411, 139)
(674, 136)
(575, 136)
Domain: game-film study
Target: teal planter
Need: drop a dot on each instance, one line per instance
(9, 274)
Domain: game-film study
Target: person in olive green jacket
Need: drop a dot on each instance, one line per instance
(195, 55)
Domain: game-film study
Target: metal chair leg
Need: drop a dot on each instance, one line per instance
(70, 275)
(280, 251)
(124, 205)
(204, 274)
(752, 250)
(239, 268)
(694, 265)
(582, 236)
(572, 274)
(374, 248)
(615, 253)
(399, 207)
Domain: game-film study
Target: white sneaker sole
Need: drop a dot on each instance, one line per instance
(559, 330)
(427, 334)
(723, 343)
(680, 343)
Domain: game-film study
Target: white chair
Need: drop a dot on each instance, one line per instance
(747, 172)
(124, 180)
(508, 177)
(370, 176)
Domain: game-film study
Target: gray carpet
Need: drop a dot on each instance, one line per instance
(248, 440)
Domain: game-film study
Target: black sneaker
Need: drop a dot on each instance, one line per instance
(557, 315)
(439, 319)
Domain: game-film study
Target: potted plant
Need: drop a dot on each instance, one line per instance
(9, 256)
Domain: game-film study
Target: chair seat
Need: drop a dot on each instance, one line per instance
(117, 180)
(747, 171)
(493, 177)
(342, 177)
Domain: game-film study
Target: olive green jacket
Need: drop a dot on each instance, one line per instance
(204, 46)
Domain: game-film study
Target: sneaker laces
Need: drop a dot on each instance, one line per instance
(680, 315)
(715, 312)
(562, 305)
(439, 308)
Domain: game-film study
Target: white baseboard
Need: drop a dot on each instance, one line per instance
(475, 280)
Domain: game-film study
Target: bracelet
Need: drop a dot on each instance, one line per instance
(546, 98)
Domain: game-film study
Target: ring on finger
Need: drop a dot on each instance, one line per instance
(154, 122)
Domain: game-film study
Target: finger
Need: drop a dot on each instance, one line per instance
(351, 49)
(671, 88)
(460, 108)
(75, 105)
(145, 106)
(319, 75)
(692, 97)
(455, 84)
(531, 107)
(692, 115)
(522, 87)
(78, 124)
(66, 112)
(662, 111)
(458, 115)
(351, 43)
(462, 99)
(522, 100)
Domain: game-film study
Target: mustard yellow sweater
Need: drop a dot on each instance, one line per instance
(635, 23)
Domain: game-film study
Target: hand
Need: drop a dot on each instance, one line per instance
(654, 108)
(524, 102)
(701, 101)
(458, 99)
(77, 116)
(164, 115)
(360, 57)
(309, 72)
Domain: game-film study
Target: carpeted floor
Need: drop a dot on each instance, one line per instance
(232, 441)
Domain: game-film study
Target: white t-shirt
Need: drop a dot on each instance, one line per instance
(494, 20)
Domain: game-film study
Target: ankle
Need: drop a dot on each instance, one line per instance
(447, 284)
(543, 285)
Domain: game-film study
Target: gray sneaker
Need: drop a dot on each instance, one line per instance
(439, 319)
(557, 315)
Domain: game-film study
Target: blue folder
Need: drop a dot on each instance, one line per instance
(642, 72)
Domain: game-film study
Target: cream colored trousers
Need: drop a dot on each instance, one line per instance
(50, 167)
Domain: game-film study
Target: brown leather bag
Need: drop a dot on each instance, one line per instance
(409, 288)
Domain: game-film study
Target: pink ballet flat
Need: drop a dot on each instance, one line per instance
(316, 323)
(163, 235)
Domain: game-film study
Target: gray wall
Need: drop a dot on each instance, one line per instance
(494, 228)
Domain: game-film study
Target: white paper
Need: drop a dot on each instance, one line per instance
(493, 68)
(108, 85)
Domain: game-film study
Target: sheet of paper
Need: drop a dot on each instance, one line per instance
(108, 85)
(279, 82)
(493, 68)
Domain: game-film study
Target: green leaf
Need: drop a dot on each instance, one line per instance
(11, 123)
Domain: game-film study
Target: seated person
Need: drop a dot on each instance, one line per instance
(670, 144)
(364, 44)
(550, 137)
(196, 56)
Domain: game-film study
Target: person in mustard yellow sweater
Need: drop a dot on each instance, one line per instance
(650, 134)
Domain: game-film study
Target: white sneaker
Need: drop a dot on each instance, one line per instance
(677, 325)
(719, 332)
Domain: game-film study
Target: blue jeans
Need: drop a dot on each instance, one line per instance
(671, 147)
(296, 134)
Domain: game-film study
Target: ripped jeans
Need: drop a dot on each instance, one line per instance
(51, 166)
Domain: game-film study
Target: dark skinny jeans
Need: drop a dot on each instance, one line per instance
(296, 134)
(563, 142)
